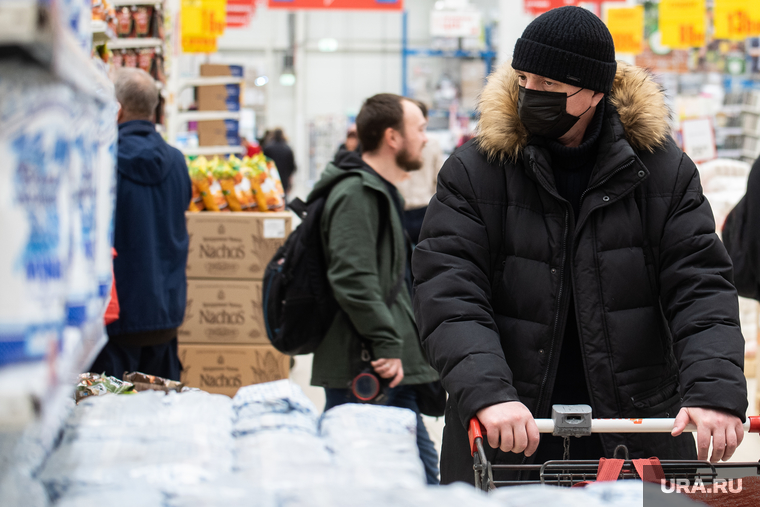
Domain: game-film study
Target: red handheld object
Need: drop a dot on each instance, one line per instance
(476, 430)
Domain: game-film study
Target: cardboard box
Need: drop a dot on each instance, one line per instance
(224, 369)
(215, 69)
(234, 246)
(223, 311)
(217, 133)
(218, 97)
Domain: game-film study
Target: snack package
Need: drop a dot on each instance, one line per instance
(130, 58)
(145, 382)
(275, 175)
(96, 384)
(143, 16)
(145, 59)
(268, 196)
(117, 58)
(124, 22)
(201, 179)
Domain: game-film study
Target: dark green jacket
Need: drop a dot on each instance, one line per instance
(362, 269)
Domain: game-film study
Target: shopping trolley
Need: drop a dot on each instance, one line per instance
(575, 421)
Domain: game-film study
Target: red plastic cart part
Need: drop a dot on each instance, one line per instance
(476, 430)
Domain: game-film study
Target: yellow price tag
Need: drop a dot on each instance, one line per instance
(682, 23)
(626, 24)
(198, 44)
(731, 19)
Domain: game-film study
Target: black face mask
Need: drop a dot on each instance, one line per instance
(545, 113)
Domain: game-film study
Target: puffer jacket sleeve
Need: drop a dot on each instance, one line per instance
(700, 302)
(351, 220)
(451, 266)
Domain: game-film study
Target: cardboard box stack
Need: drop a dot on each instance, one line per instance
(223, 344)
(223, 97)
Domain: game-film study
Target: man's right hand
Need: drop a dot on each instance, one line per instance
(510, 427)
(389, 368)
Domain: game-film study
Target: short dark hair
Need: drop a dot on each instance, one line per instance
(422, 107)
(379, 113)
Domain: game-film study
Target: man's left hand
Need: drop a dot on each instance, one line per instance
(726, 431)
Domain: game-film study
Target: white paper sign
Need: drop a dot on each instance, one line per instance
(698, 139)
(455, 24)
(274, 228)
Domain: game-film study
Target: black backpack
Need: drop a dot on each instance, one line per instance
(297, 299)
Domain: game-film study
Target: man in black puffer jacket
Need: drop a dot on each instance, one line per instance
(570, 257)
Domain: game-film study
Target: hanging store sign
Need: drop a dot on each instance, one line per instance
(731, 19)
(455, 24)
(240, 13)
(626, 24)
(536, 7)
(201, 22)
(682, 23)
(384, 5)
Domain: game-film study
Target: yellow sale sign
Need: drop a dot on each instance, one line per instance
(626, 25)
(753, 12)
(201, 21)
(198, 44)
(682, 23)
(731, 19)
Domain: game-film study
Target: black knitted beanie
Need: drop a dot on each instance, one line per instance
(569, 44)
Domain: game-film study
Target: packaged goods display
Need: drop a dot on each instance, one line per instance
(269, 446)
(250, 184)
(223, 311)
(94, 384)
(57, 210)
(234, 245)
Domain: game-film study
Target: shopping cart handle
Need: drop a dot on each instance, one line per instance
(476, 430)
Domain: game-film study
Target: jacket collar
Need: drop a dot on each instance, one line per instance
(636, 99)
(136, 127)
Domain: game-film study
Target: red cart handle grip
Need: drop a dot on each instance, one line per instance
(476, 430)
(754, 423)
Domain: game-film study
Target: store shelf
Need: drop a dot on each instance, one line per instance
(130, 3)
(30, 391)
(33, 31)
(212, 150)
(101, 33)
(208, 115)
(209, 81)
(136, 43)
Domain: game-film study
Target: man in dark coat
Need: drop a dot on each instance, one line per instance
(153, 191)
(278, 150)
(569, 257)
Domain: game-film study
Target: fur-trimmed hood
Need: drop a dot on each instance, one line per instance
(638, 99)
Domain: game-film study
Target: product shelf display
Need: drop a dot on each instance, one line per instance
(212, 128)
(58, 146)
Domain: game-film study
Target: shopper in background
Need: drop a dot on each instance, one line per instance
(351, 143)
(368, 265)
(419, 187)
(278, 150)
(741, 235)
(569, 257)
(153, 191)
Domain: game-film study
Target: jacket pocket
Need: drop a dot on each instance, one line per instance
(658, 400)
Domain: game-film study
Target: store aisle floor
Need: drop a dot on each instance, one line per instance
(301, 374)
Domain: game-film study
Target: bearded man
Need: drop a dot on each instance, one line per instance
(368, 265)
